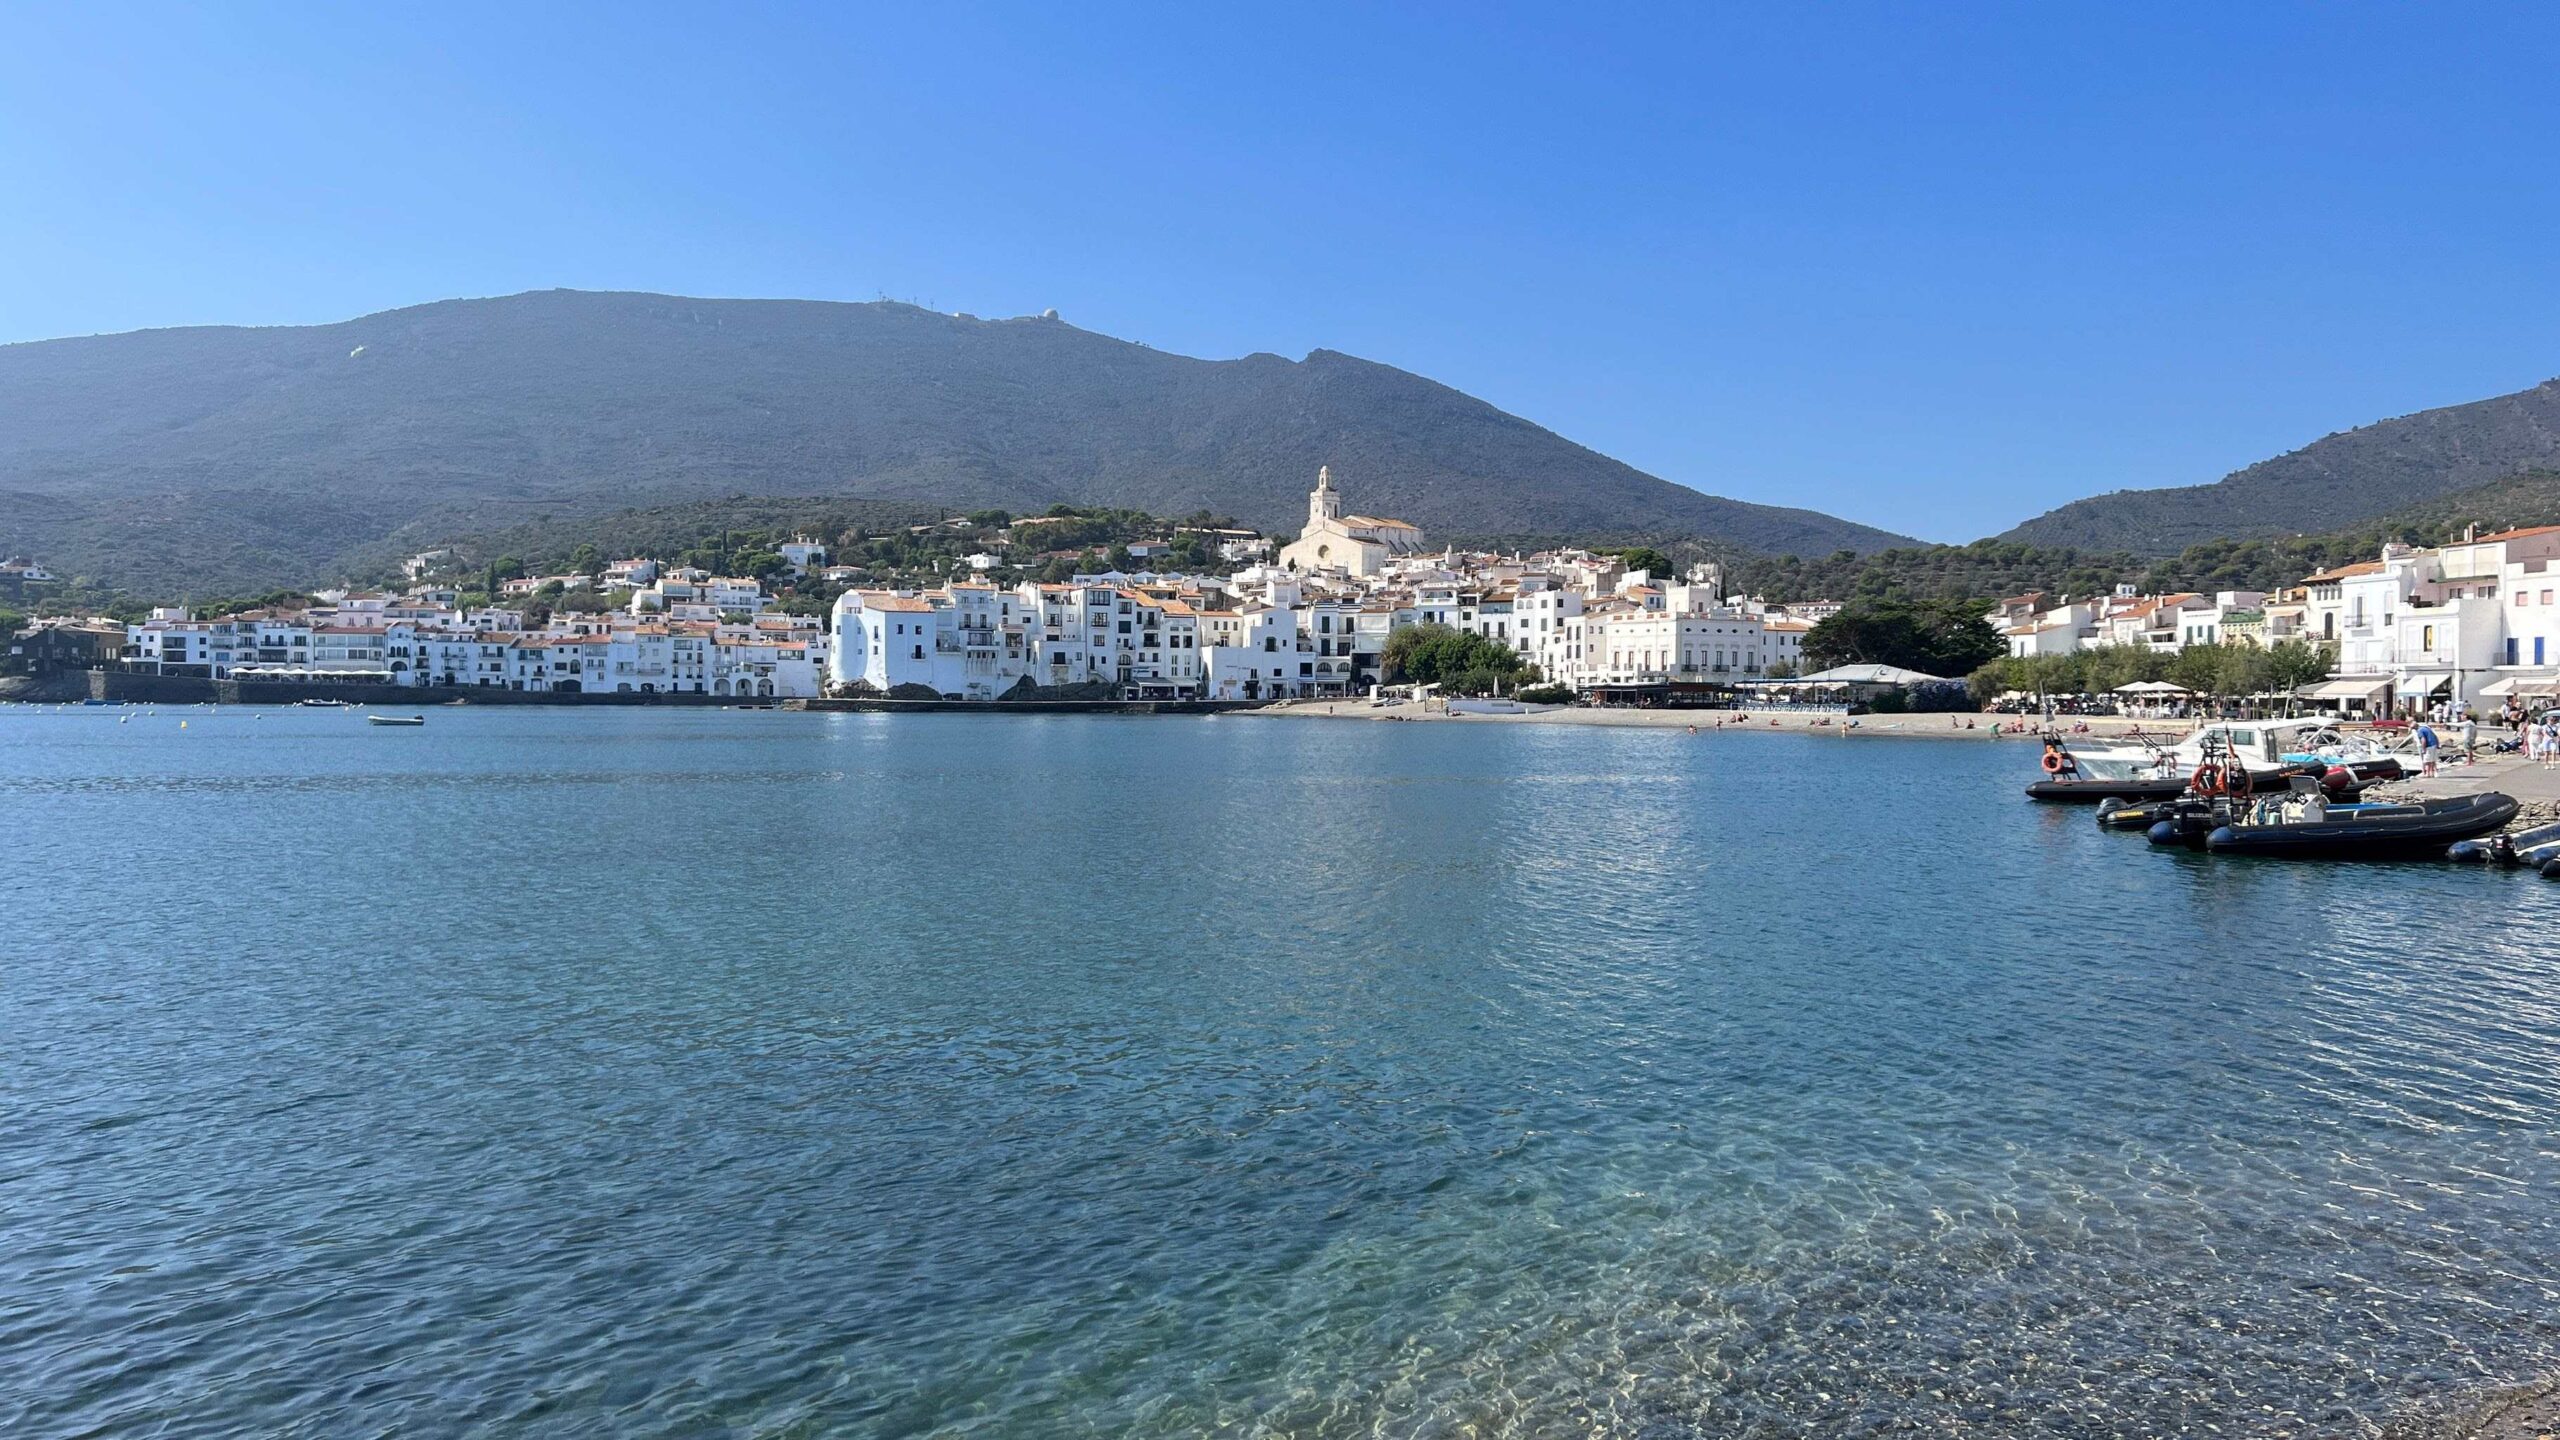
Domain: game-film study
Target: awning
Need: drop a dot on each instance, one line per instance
(2520, 685)
(2345, 690)
(2425, 683)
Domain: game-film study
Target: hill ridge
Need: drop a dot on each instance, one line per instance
(2341, 478)
(599, 400)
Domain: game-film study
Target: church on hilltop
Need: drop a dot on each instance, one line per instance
(1359, 545)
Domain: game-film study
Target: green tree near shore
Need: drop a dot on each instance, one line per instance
(1459, 664)
(2229, 670)
(1937, 637)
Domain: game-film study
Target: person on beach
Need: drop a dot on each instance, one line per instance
(2427, 747)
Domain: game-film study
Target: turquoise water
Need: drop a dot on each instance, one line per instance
(760, 1074)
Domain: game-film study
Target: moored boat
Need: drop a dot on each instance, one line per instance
(2271, 751)
(395, 719)
(2308, 827)
(2529, 849)
(2097, 792)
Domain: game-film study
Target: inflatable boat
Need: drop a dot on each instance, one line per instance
(2381, 831)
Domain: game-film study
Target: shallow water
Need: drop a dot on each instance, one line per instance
(761, 1074)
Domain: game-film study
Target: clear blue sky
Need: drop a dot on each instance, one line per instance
(1935, 267)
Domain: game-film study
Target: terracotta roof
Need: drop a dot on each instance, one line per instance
(2529, 530)
(2361, 567)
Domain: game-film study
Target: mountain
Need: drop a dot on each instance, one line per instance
(1989, 569)
(239, 457)
(2355, 475)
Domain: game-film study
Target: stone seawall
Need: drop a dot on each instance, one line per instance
(123, 685)
(1028, 707)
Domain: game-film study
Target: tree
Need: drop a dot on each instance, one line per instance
(1945, 637)
(2198, 668)
(2296, 663)
(585, 560)
(2110, 667)
(1644, 557)
(1438, 655)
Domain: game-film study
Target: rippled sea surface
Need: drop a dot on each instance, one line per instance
(759, 1074)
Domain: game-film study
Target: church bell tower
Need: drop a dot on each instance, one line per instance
(1323, 502)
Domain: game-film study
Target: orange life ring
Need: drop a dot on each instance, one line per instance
(2053, 762)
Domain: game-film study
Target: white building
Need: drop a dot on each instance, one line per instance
(1357, 545)
(801, 553)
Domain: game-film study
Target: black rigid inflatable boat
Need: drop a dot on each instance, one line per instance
(2381, 831)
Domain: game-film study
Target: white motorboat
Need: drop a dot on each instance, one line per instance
(2267, 747)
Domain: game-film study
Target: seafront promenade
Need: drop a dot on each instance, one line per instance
(1776, 721)
(2538, 788)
